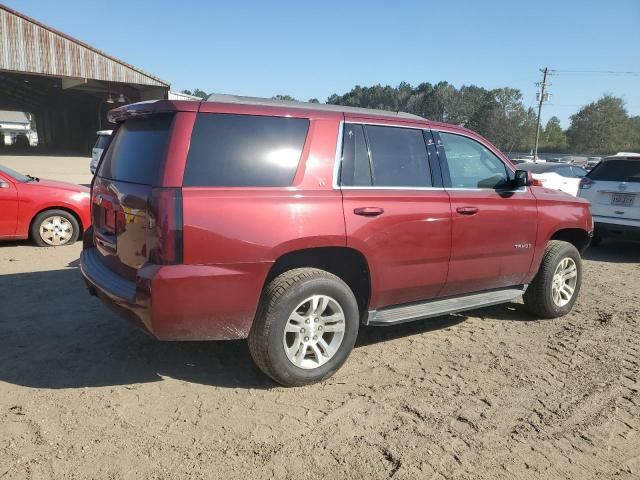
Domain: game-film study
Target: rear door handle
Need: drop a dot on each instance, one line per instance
(368, 211)
(467, 210)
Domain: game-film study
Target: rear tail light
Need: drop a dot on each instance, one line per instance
(536, 182)
(165, 217)
(585, 183)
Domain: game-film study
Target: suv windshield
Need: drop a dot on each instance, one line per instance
(15, 175)
(617, 171)
(137, 151)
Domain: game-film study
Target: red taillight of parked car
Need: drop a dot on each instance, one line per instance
(165, 219)
(585, 183)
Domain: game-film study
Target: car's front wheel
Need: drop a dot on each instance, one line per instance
(555, 288)
(305, 328)
(53, 228)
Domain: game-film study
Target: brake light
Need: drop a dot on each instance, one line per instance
(165, 218)
(585, 183)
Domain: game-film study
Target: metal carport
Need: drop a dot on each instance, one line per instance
(68, 85)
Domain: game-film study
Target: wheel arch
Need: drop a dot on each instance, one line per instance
(349, 264)
(578, 237)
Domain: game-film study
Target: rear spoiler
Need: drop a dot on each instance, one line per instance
(151, 107)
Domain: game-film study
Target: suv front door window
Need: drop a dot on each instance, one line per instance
(471, 164)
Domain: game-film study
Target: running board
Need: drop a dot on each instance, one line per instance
(434, 308)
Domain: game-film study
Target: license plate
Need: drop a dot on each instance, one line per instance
(622, 199)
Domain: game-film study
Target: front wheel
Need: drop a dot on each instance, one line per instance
(555, 288)
(305, 328)
(53, 228)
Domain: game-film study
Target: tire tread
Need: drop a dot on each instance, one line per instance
(263, 322)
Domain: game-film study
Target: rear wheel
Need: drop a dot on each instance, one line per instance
(555, 288)
(53, 228)
(305, 328)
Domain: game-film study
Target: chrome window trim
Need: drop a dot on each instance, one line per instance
(338, 162)
(519, 190)
(393, 188)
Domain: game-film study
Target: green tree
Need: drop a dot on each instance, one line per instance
(602, 127)
(553, 138)
(288, 98)
(196, 92)
(313, 100)
(497, 114)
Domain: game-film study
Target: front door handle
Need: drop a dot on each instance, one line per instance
(467, 210)
(368, 211)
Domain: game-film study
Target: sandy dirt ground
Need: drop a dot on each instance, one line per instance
(490, 394)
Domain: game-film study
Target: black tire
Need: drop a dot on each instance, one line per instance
(279, 301)
(538, 298)
(595, 241)
(42, 216)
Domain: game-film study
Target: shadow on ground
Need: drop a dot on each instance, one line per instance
(614, 250)
(54, 335)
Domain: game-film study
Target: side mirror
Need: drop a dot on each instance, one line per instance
(522, 179)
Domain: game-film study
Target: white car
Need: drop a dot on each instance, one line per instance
(96, 153)
(613, 188)
(557, 176)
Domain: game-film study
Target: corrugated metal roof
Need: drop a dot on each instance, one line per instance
(29, 46)
(9, 116)
(181, 96)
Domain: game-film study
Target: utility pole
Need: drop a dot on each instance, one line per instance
(542, 97)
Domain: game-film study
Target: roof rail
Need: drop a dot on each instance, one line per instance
(242, 100)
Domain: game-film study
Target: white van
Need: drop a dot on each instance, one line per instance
(96, 153)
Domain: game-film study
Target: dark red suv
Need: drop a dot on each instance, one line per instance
(292, 223)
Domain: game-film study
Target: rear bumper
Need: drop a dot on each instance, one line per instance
(605, 227)
(181, 302)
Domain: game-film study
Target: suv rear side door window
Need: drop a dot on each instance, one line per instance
(471, 164)
(398, 157)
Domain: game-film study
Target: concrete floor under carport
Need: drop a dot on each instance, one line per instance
(64, 168)
(68, 112)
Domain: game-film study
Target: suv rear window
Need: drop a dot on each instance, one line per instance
(616, 171)
(102, 141)
(137, 151)
(230, 150)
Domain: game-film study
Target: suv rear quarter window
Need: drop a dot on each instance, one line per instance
(230, 150)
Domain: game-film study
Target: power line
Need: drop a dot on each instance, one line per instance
(597, 72)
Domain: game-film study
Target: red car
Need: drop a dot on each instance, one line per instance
(50, 213)
(292, 223)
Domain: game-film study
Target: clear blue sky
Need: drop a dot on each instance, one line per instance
(314, 49)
